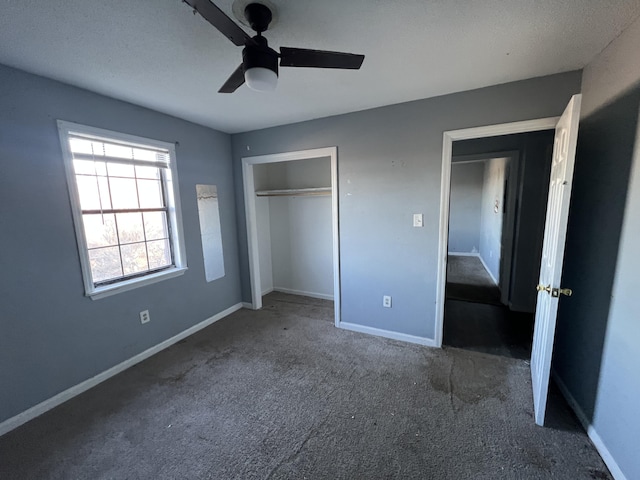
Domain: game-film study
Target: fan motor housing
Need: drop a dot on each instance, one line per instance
(259, 16)
(260, 55)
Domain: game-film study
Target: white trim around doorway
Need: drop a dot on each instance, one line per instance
(250, 214)
(449, 137)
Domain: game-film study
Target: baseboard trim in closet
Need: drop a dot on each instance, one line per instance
(321, 296)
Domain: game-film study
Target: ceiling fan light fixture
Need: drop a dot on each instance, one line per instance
(261, 79)
(259, 67)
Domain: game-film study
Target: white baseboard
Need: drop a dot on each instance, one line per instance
(267, 291)
(301, 292)
(39, 409)
(248, 305)
(608, 459)
(403, 337)
(487, 269)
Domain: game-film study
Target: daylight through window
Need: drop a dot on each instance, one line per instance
(124, 195)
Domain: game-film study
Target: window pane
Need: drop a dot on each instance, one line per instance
(159, 253)
(100, 230)
(119, 151)
(146, 155)
(155, 225)
(105, 197)
(134, 258)
(120, 170)
(84, 167)
(88, 167)
(123, 192)
(105, 264)
(147, 172)
(78, 145)
(88, 192)
(150, 193)
(130, 227)
(101, 168)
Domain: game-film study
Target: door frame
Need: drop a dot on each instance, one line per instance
(252, 224)
(547, 123)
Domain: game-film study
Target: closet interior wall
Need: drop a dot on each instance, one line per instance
(293, 209)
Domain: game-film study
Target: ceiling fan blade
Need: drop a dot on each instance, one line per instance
(234, 81)
(218, 19)
(302, 57)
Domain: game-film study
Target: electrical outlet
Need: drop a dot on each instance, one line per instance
(386, 301)
(144, 316)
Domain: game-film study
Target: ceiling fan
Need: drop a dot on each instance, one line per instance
(259, 67)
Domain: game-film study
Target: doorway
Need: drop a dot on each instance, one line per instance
(482, 224)
(291, 181)
(506, 295)
(496, 225)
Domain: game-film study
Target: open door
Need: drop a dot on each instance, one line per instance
(549, 290)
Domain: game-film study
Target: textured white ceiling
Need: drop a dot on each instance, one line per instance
(157, 54)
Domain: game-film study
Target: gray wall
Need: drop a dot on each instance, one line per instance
(464, 206)
(389, 168)
(598, 332)
(52, 336)
(490, 219)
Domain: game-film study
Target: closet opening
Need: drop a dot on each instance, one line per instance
(291, 207)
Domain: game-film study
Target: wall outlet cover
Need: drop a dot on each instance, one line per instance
(144, 316)
(386, 301)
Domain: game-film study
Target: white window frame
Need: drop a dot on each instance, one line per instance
(174, 211)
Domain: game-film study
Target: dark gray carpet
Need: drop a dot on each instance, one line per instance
(486, 328)
(469, 281)
(282, 393)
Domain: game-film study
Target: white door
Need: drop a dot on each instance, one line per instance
(555, 230)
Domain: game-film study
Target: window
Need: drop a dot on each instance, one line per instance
(124, 197)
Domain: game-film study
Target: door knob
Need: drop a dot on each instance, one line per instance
(555, 292)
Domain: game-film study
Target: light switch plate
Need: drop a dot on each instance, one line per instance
(417, 220)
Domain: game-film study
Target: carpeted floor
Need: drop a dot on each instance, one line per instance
(487, 328)
(469, 281)
(475, 319)
(282, 393)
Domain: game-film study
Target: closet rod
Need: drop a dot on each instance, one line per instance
(294, 192)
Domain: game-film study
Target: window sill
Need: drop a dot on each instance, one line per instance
(127, 285)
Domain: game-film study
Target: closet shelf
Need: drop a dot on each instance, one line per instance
(294, 191)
